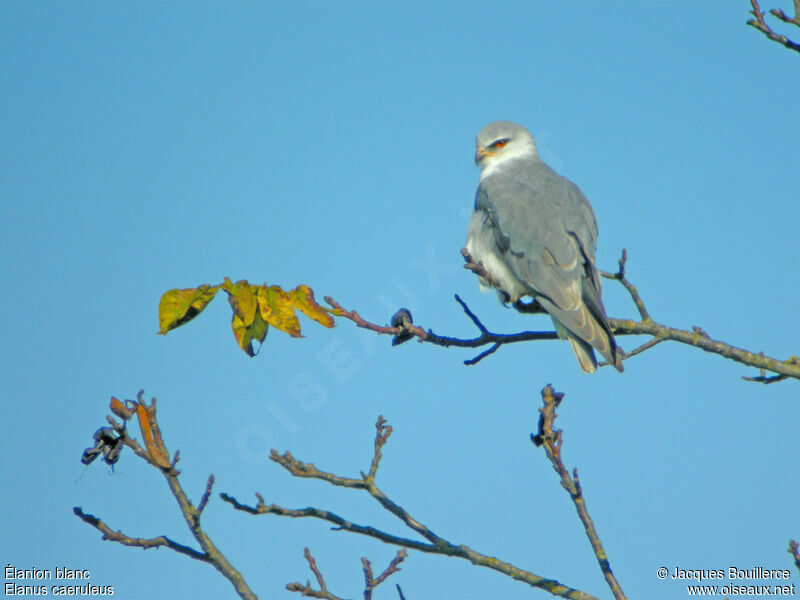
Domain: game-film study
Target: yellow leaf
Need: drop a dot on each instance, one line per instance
(245, 335)
(277, 310)
(177, 307)
(242, 298)
(303, 298)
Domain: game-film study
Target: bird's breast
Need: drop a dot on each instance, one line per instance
(482, 246)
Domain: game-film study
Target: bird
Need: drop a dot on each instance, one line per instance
(535, 234)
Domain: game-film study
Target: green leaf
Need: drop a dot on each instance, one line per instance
(245, 335)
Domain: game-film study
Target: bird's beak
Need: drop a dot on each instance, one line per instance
(480, 154)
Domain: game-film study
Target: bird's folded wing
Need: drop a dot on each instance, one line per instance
(545, 230)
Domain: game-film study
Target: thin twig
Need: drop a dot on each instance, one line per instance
(306, 590)
(393, 567)
(620, 276)
(765, 379)
(384, 329)
(366, 482)
(206, 495)
(795, 552)
(759, 23)
(145, 543)
(341, 524)
(309, 470)
(482, 355)
(778, 13)
(370, 582)
(551, 440)
(481, 327)
(313, 566)
(638, 350)
(381, 437)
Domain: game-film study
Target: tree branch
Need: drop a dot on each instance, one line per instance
(155, 454)
(789, 368)
(620, 276)
(145, 543)
(646, 326)
(793, 550)
(306, 590)
(759, 23)
(551, 440)
(342, 524)
(206, 496)
(370, 582)
(638, 350)
(436, 544)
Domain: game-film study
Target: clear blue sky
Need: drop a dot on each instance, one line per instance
(146, 146)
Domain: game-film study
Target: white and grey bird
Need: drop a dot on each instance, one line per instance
(535, 234)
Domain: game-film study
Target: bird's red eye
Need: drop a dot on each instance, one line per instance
(500, 143)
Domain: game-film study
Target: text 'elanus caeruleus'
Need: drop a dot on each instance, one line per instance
(535, 234)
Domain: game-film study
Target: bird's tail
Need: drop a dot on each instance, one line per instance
(594, 334)
(584, 354)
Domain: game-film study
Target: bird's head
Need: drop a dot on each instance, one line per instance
(501, 141)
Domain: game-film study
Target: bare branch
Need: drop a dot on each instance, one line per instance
(384, 329)
(789, 368)
(620, 276)
(313, 566)
(435, 545)
(486, 337)
(342, 524)
(306, 590)
(144, 543)
(793, 550)
(481, 327)
(371, 583)
(366, 482)
(482, 355)
(638, 350)
(309, 470)
(206, 495)
(442, 547)
(759, 23)
(393, 567)
(383, 431)
(551, 440)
